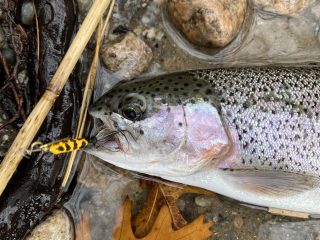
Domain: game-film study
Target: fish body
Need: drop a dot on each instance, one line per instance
(252, 134)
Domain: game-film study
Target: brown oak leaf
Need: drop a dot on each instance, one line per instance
(162, 228)
(160, 193)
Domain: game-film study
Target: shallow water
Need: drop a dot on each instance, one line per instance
(265, 39)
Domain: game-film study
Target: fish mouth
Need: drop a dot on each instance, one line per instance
(111, 140)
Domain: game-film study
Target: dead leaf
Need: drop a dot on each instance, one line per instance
(162, 228)
(147, 216)
(83, 228)
(158, 194)
(172, 195)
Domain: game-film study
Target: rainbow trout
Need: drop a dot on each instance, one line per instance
(252, 134)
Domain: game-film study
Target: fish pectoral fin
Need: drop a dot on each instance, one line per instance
(269, 182)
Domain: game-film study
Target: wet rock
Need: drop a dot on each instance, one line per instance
(9, 55)
(290, 231)
(303, 29)
(100, 192)
(128, 58)
(208, 23)
(203, 201)
(7, 134)
(27, 13)
(283, 7)
(56, 227)
(272, 39)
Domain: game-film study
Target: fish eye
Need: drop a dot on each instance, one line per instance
(132, 106)
(131, 112)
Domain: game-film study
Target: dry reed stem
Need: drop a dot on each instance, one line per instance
(39, 113)
(91, 79)
(37, 31)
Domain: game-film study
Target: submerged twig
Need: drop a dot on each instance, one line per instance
(88, 91)
(39, 113)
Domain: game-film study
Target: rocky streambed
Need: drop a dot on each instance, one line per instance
(146, 38)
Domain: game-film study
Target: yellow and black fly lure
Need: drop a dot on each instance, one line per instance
(59, 147)
(70, 145)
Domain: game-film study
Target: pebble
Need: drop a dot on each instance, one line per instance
(203, 201)
(9, 55)
(215, 217)
(128, 58)
(181, 204)
(23, 77)
(27, 13)
(282, 7)
(57, 226)
(238, 221)
(150, 33)
(208, 23)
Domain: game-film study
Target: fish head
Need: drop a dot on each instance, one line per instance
(162, 126)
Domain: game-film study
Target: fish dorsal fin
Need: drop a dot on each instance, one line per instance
(269, 182)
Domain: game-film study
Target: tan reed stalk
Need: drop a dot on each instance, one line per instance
(39, 113)
(91, 79)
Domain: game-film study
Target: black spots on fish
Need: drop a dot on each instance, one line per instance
(192, 101)
(163, 101)
(157, 89)
(186, 84)
(168, 109)
(185, 94)
(175, 89)
(180, 124)
(141, 132)
(297, 137)
(166, 88)
(99, 108)
(208, 91)
(179, 101)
